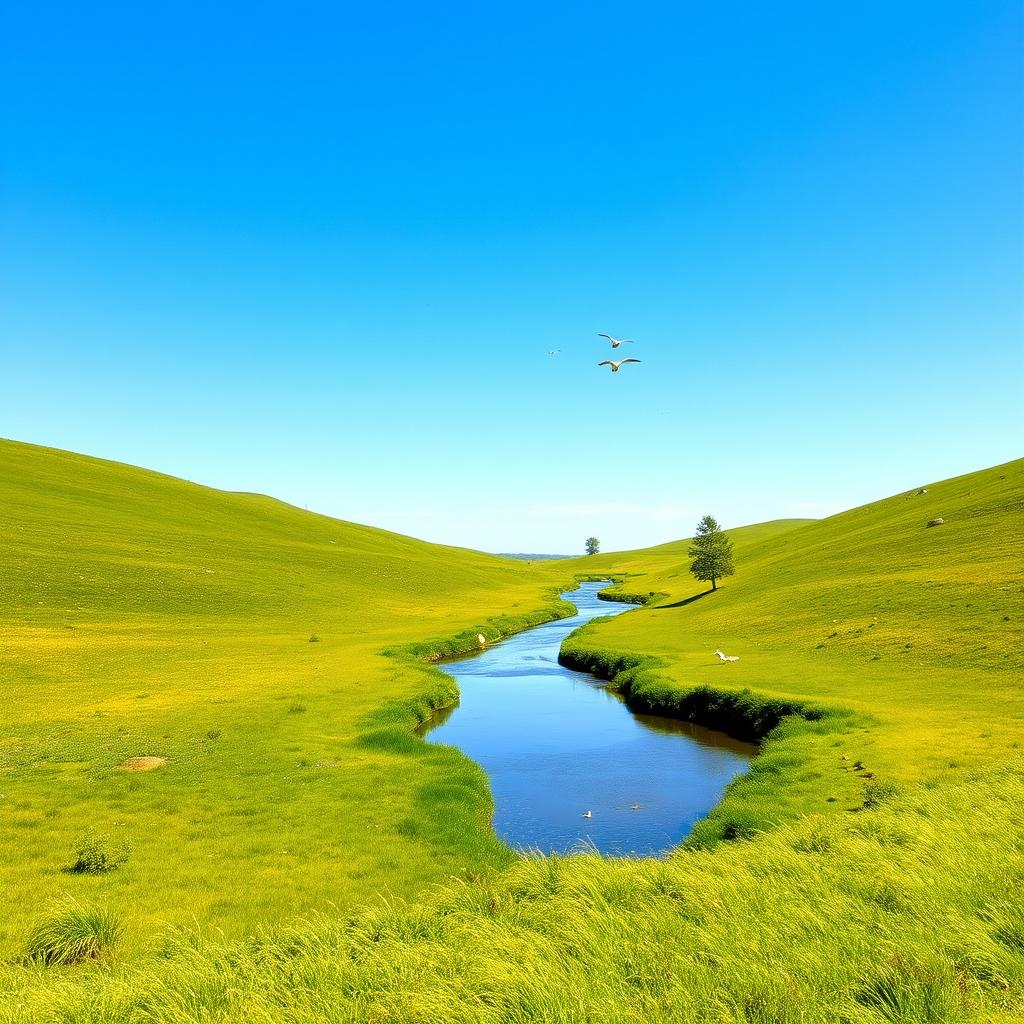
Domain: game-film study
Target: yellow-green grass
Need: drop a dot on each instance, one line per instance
(882, 917)
(143, 615)
(917, 630)
(883, 893)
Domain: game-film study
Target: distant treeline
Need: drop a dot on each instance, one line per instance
(530, 558)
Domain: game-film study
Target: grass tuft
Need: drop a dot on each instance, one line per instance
(71, 933)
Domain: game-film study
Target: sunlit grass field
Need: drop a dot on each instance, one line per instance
(868, 869)
(146, 616)
(917, 630)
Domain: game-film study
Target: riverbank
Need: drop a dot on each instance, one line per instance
(885, 683)
(784, 730)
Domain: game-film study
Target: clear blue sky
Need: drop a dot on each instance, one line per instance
(321, 251)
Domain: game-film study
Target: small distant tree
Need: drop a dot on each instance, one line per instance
(593, 545)
(711, 553)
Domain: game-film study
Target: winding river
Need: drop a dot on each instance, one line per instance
(557, 744)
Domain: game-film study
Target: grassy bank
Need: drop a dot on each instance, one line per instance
(906, 643)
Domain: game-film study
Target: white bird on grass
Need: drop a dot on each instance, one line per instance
(615, 366)
(725, 657)
(616, 342)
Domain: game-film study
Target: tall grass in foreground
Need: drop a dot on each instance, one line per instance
(865, 918)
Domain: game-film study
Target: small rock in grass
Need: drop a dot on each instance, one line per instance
(936, 522)
(142, 764)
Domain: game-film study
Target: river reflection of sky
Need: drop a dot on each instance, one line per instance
(556, 743)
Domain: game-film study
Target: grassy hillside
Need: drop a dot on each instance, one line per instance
(918, 630)
(146, 616)
(867, 870)
(661, 567)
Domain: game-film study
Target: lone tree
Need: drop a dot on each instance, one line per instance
(711, 553)
(593, 545)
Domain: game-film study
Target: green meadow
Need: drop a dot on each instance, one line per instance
(147, 617)
(301, 856)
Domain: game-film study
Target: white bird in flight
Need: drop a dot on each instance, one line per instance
(615, 366)
(616, 342)
(553, 351)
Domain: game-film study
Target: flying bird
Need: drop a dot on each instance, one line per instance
(616, 342)
(615, 366)
(553, 351)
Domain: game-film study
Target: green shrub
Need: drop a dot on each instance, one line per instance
(70, 933)
(624, 597)
(96, 855)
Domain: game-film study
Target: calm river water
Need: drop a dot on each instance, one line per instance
(556, 743)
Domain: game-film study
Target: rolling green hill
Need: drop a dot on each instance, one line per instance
(918, 629)
(146, 616)
(867, 870)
